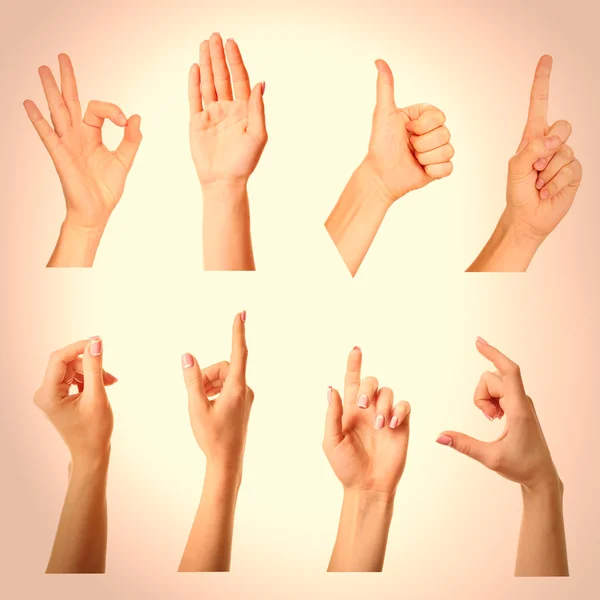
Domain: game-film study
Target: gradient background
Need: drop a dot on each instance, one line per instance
(413, 311)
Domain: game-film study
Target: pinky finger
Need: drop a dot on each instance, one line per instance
(194, 96)
(566, 176)
(399, 414)
(439, 171)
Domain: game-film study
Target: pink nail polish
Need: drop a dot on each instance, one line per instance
(263, 85)
(243, 315)
(94, 337)
(540, 183)
(445, 440)
(363, 401)
(481, 341)
(329, 394)
(544, 194)
(394, 422)
(356, 348)
(487, 416)
(122, 119)
(379, 421)
(187, 360)
(96, 347)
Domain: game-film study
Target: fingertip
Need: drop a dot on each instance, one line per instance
(444, 440)
(187, 360)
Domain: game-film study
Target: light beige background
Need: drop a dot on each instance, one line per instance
(410, 308)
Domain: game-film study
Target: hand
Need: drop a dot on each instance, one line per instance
(92, 177)
(227, 136)
(409, 147)
(220, 425)
(366, 438)
(520, 454)
(544, 175)
(84, 419)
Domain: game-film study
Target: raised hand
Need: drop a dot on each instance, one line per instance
(84, 419)
(409, 147)
(92, 177)
(227, 135)
(366, 436)
(520, 454)
(544, 175)
(220, 425)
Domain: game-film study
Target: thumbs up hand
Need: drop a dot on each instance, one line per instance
(409, 147)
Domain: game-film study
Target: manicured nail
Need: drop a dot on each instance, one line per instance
(481, 341)
(187, 360)
(263, 85)
(363, 401)
(394, 422)
(553, 142)
(329, 394)
(540, 164)
(356, 348)
(544, 194)
(122, 119)
(488, 416)
(445, 440)
(379, 421)
(230, 40)
(243, 315)
(96, 347)
(540, 183)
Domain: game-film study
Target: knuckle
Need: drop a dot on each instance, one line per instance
(464, 447)
(568, 152)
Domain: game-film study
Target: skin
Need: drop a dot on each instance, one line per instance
(520, 454)
(92, 176)
(220, 427)
(409, 148)
(366, 447)
(84, 420)
(227, 136)
(543, 178)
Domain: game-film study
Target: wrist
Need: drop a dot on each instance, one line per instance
(224, 190)
(90, 464)
(370, 180)
(222, 479)
(519, 232)
(545, 488)
(76, 246)
(370, 499)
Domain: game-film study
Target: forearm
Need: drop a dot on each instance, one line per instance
(509, 249)
(363, 532)
(75, 247)
(542, 550)
(209, 544)
(357, 216)
(80, 542)
(227, 241)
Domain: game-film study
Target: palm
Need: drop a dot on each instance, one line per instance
(222, 148)
(392, 155)
(366, 458)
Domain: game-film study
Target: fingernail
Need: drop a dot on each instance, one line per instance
(78, 377)
(356, 348)
(409, 126)
(363, 401)
(394, 422)
(487, 416)
(379, 421)
(96, 347)
(552, 142)
(540, 183)
(122, 119)
(480, 340)
(540, 164)
(544, 194)
(230, 40)
(187, 360)
(243, 315)
(329, 394)
(94, 337)
(263, 85)
(444, 440)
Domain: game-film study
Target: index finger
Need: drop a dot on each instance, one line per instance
(540, 90)
(352, 379)
(59, 359)
(239, 349)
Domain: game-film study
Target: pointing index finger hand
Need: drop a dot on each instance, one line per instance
(537, 118)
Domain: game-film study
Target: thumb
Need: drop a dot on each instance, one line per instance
(192, 375)
(257, 125)
(333, 421)
(93, 373)
(385, 88)
(521, 164)
(465, 445)
(132, 138)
